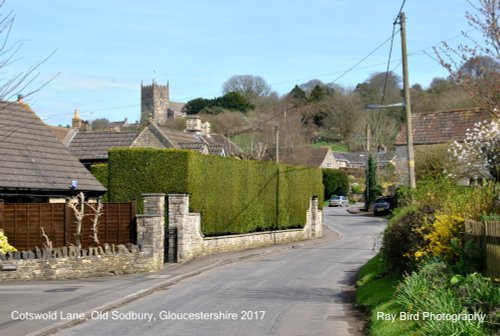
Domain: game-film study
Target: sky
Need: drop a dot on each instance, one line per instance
(101, 50)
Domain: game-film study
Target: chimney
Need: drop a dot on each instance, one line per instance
(206, 128)
(193, 125)
(76, 122)
(20, 98)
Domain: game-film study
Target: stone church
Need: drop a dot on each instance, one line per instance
(156, 104)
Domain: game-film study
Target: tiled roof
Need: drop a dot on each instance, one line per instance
(176, 106)
(312, 157)
(60, 132)
(361, 157)
(216, 150)
(442, 127)
(300, 156)
(213, 139)
(198, 146)
(95, 145)
(178, 136)
(31, 158)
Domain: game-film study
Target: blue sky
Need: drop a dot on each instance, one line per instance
(105, 48)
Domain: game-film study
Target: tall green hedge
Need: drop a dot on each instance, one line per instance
(233, 196)
(100, 172)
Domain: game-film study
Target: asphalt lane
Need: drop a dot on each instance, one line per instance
(300, 291)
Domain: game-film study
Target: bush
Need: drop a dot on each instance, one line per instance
(233, 196)
(404, 236)
(4, 244)
(356, 189)
(441, 234)
(336, 182)
(445, 228)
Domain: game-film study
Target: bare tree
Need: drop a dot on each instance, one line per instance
(476, 65)
(77, 204)
(17, 83)
(345, 113)
(48, 242)
(98, 211)
(252, 87)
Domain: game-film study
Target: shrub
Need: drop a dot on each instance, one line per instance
(233, 196)
(356, 189)
(4, 244)
(404, 236)
(445, 228)
(336, 182)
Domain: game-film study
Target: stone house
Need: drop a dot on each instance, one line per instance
(34, 165)
(433, 129)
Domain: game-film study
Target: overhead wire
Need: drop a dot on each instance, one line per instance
(342, 74)
(386, 77)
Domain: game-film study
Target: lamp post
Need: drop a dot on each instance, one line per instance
(409, 140)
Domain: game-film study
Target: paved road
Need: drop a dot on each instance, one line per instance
(301, 291)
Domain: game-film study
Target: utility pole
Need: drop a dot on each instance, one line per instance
(367, 184)
(277, 135)
(406, 88)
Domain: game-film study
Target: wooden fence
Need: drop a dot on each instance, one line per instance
(22, 223)
(487, 236)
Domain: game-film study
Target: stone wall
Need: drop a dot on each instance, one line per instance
(191, 243)
(71, 262)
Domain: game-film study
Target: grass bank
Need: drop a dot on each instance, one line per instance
(375, 288)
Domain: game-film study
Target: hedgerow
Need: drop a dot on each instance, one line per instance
(100, 172)
(233, 196)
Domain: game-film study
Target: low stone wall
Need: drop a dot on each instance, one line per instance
(191, 242)
(71, 263)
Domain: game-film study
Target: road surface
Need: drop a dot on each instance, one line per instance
(301, 291)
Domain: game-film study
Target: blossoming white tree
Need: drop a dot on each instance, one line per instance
(480, 151)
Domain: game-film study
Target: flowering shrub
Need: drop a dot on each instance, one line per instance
(446, 227)
(4, 244)
(480, 150)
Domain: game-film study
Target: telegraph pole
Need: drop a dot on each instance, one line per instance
(277, 140)
(409, 130)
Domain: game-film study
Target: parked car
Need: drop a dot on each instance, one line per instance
(383, 205)
(338, 201)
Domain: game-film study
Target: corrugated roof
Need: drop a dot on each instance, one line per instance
(95, 145)
(31, 157)
(442, 127)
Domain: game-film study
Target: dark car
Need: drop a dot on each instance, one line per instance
(383, 205)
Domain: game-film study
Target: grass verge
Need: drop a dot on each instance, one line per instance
(375, 288)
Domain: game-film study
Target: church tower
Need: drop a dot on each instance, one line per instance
(155, 102)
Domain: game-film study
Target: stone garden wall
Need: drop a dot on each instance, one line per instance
(71, 262)
(191, 243)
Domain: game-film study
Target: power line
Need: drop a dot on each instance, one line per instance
(384, 90)
(343, 73)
